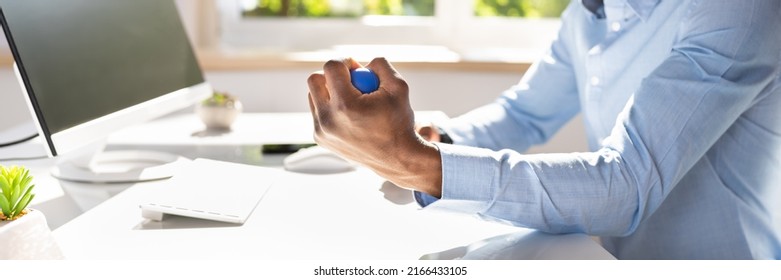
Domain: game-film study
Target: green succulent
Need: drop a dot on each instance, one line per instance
(16, 191)
(220, 99)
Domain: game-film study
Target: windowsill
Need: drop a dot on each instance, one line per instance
(405, 57)
(402, 57)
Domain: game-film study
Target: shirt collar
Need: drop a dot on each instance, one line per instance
(643, 8)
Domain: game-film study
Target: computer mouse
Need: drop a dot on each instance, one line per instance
(316, 160)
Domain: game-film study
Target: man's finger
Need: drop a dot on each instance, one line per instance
(337, 76)
(317, 89)
(389, 77)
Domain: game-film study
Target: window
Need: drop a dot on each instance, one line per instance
(336, 8)
(358, 8)
(471, 29)
(520, 8)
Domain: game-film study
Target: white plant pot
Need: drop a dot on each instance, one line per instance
(28, 238)
(218, 117)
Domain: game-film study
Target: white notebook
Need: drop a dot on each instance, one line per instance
(213, 190)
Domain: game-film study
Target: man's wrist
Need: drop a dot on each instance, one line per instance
(417, 167)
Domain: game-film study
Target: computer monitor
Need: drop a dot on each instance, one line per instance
(91, 67)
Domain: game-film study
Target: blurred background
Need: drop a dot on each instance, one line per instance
(455, 54)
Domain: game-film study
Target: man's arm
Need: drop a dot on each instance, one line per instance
(712, 76)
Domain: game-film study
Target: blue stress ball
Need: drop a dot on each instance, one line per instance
(364, 80)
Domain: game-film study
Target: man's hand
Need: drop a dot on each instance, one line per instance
(376, 129)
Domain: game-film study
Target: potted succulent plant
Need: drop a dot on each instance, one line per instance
(219, 111)
(16, 188)
(24, 233)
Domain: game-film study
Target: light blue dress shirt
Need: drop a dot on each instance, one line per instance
(682, 107)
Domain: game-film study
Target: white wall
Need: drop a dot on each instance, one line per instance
(286, 90)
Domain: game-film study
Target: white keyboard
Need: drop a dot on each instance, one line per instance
(213, 190)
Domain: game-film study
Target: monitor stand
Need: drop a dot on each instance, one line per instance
(92, 164)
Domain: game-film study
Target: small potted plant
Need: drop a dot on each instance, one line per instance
(16, 192)
(219, 111)
(24, 233)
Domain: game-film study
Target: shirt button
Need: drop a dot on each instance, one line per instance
(594, 81)
(595, 50)
(615, 26)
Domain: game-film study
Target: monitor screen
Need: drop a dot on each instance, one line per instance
(81, 60)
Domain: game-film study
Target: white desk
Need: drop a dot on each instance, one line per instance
(342, 216)
(353, 215)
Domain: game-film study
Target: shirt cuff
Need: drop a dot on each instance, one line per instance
(467, 175)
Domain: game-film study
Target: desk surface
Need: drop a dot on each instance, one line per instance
(352, 215)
